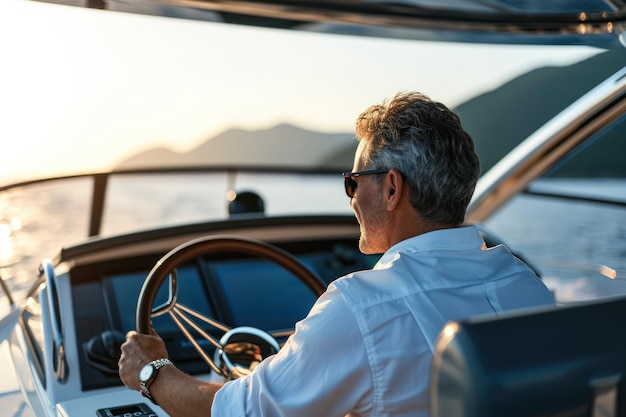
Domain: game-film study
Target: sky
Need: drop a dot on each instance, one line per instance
(82, 89)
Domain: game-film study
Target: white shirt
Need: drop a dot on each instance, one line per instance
(367, 344)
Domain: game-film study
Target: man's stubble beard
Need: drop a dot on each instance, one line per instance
(373, 231)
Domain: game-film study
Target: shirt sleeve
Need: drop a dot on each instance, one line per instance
(322, 370)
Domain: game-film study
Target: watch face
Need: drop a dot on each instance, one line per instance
(146, 372)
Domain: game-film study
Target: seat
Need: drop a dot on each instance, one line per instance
(558, 361)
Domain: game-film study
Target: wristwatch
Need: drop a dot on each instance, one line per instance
(148, 374)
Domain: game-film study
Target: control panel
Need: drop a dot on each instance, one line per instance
(132, 410)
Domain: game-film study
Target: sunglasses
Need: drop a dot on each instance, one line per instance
(350, 184)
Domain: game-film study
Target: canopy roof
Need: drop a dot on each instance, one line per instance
(588, 22)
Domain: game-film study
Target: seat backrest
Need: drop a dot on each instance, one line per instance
(557, 361)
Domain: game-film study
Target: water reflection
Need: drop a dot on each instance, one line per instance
(577, 245)
(36, 221)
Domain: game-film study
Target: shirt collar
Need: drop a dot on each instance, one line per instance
(457, 238)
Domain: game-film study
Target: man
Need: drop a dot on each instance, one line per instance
(365, 348)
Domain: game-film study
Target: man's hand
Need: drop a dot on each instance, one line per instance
(138, 350)
(179, 394)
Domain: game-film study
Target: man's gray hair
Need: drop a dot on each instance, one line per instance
(426, 142)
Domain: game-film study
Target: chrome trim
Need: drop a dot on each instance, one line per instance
(535, 155)
(59, 360)
(236, 370)
(605, 391)
(172, 296)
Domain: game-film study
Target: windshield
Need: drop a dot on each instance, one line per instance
(87, 91)
(91, 91)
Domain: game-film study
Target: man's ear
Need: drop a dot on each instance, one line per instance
(393, 188)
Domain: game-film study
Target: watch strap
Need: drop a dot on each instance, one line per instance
(144, 386)
(159, 363)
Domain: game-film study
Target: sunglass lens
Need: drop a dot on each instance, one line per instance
(350, 186)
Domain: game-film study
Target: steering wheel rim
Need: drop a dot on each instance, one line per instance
(205, 246)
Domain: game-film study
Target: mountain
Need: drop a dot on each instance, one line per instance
(497, 120)
(283, 146)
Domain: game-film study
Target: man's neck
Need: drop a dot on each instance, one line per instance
(411, 225)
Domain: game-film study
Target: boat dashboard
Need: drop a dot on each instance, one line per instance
(234, 289)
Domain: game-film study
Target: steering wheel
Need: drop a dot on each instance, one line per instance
(184, 316)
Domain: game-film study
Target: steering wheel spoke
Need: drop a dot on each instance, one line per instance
(172, 296)
(178, 313)
(282, 334)
(182, 321)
